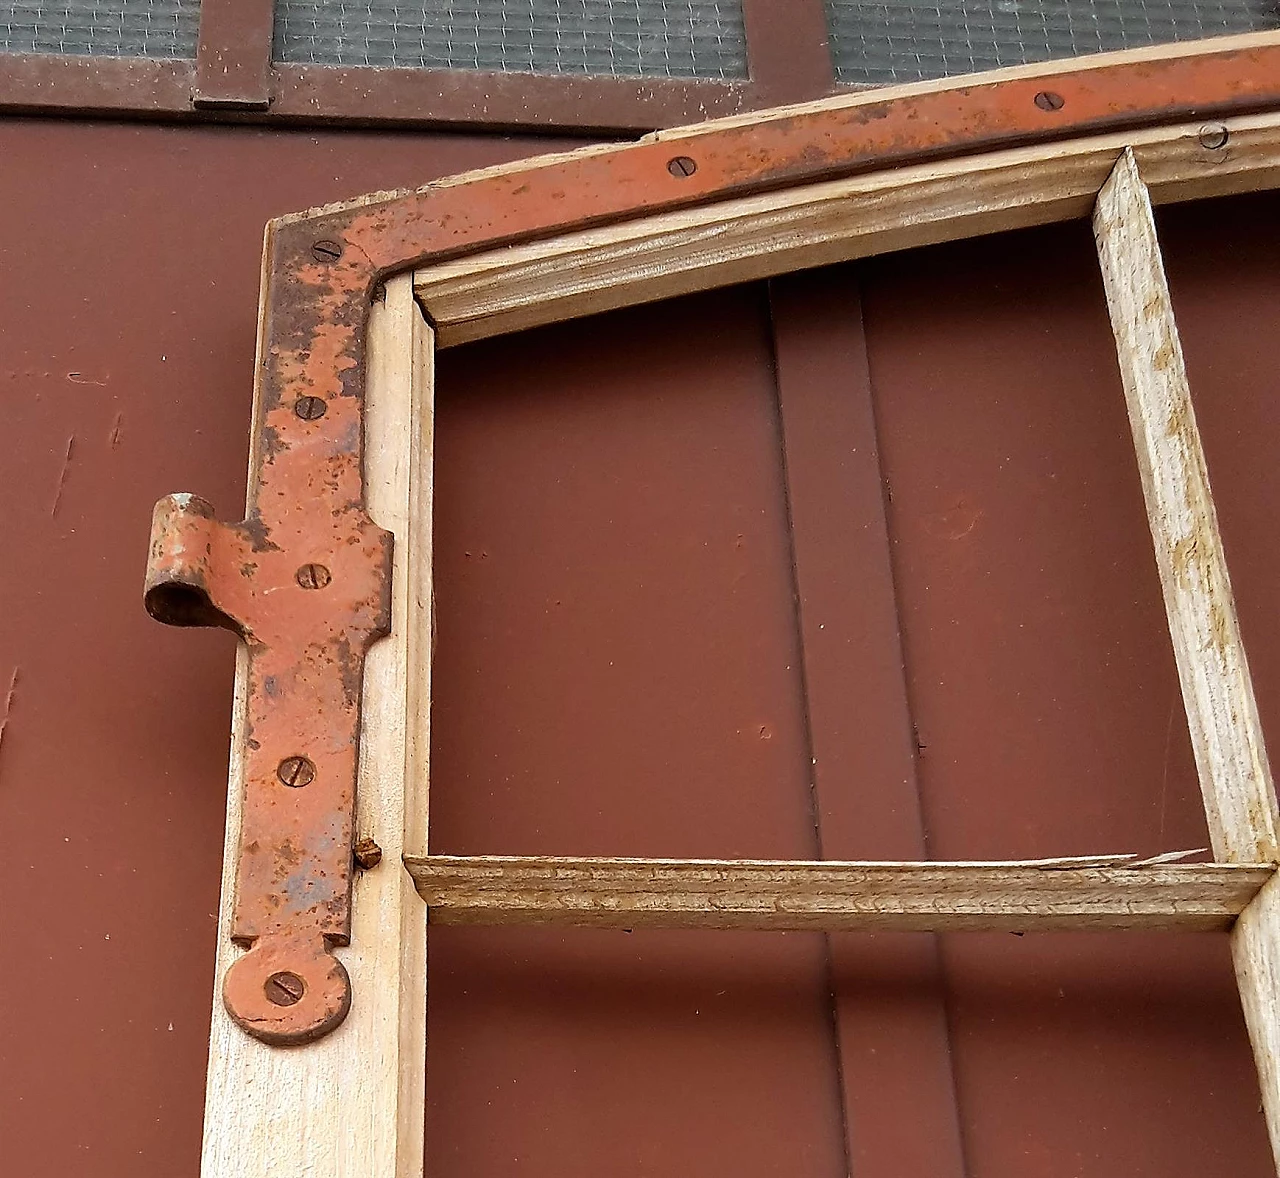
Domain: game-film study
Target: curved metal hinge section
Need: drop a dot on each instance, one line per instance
(305, 580)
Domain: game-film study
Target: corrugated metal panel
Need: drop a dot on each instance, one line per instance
(660, 38)
(107, 28)
(904, 40)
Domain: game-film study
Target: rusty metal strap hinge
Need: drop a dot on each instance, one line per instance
(305, 580)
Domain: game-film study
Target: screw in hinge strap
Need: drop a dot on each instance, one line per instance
(1048, 100)
(367, 853)
(296, 772)
(1213, 136)
(326, 251)
(313, 576)
(284, 988)
(681, 166)
(309, 408)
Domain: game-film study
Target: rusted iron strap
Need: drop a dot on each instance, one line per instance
(306, 581)
(305, 578)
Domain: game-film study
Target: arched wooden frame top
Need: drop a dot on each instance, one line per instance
(562, 236)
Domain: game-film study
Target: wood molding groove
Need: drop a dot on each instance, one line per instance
(1082, 894)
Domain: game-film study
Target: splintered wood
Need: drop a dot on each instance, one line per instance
(831, 897)
(1239, 798)
(1230, 755)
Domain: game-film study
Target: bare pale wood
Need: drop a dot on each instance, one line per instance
(517, 287)
(831, 896)
(1235, 779)
(1255, 949)
(351, 1104)
(1231, 757)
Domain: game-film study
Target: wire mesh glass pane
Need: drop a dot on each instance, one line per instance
(904, 40)
(662, 38)
(107, 28)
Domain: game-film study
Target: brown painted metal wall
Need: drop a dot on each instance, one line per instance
(128, 297)
(670, 592)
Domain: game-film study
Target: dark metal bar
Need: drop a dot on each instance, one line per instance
(308, 95)
(39, 83)
(788, 51)
(547, 102)
(233, 57)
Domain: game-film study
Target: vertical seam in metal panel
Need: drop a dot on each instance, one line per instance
(946, 997)
(886, 499)
(810, 768)
(867, 801)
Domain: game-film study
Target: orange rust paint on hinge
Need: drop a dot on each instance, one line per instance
(306, 577)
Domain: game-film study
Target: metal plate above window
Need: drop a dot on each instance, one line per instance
(103, 28)
(906, 40)
(629, 38)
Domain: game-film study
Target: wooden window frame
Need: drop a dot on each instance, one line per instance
(354, 1099)
(233, 78)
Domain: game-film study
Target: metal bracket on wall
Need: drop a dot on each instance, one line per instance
(305, 578)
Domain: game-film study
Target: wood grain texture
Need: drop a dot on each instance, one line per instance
(1231, 757)
(1255, 949)
(351, 1104)
(831, 896)
(1226, 734)
(512, 288)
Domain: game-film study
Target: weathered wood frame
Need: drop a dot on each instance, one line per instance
(354, 1100)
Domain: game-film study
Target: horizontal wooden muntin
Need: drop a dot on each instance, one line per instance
(1106, 892)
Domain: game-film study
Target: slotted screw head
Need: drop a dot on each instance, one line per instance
(326, 251)
(284, 988)
(681, 166)
(296, 772)
(313, 576)
(1048, 100)
(309, 408)
(1213, 136)
(367, 853)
